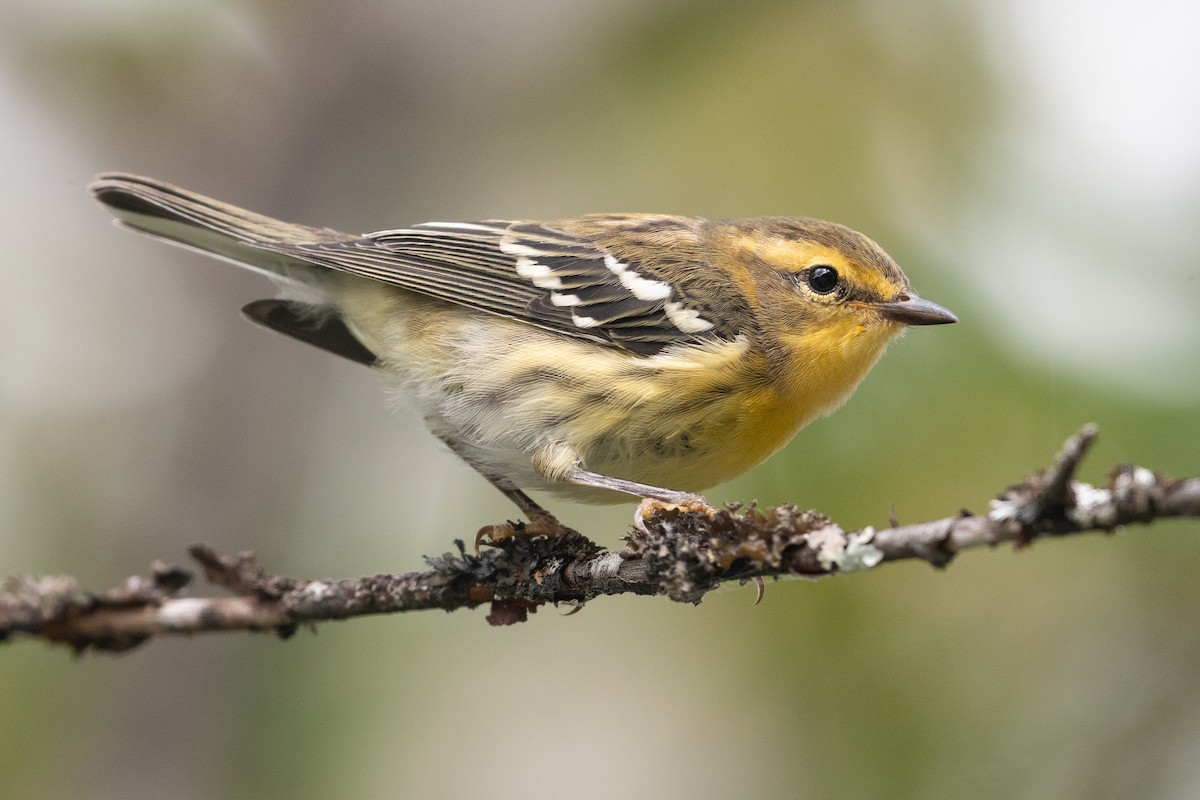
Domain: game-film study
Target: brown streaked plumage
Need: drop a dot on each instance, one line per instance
(587, 356)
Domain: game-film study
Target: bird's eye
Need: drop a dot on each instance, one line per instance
(821, 279)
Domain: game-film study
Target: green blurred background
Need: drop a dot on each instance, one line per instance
(1033, 165)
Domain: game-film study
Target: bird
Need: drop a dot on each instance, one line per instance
(600, 358)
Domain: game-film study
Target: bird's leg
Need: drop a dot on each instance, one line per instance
(541, 522)
(558, 462)
(653, 497)
(673, 497)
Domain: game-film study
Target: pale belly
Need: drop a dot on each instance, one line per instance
(497, 390)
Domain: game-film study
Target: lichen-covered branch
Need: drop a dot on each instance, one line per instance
(682, 554)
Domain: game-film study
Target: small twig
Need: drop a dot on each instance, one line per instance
(680, 554)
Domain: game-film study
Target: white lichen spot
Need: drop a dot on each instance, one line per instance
(830, 544)
(608, 566)
(1093, 507)
(1136, 489)
(860, 552)
(317, 590)
(1005, 513)
(182, 612)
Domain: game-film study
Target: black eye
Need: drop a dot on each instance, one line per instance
(822, 279)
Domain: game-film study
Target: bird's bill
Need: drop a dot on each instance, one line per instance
(912, 310)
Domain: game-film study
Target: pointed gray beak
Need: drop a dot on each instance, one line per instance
(912, 310)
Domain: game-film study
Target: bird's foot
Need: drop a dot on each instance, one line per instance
(541, 523)
(680, 501)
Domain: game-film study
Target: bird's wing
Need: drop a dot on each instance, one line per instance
(542, 274)
(634, 281)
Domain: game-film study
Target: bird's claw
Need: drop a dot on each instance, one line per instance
(543, 524)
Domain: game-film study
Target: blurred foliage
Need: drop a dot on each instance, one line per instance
(140, 414)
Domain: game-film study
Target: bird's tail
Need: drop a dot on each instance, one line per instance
(192, 220)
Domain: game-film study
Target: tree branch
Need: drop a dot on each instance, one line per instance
(682, 554)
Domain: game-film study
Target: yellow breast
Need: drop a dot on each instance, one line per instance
(686, 418)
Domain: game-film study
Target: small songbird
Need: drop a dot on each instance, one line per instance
(595, 357)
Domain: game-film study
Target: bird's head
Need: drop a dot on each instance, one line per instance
(829, 299)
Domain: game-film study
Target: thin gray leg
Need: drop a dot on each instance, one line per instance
(588, 478)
